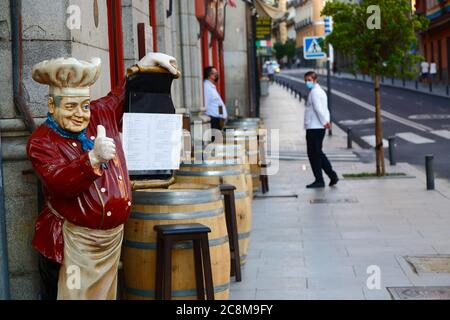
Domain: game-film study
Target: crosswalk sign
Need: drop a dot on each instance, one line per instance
(313, 48)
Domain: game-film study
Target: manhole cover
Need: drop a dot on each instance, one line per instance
(429, 263)
(420, 293)
(344, 200)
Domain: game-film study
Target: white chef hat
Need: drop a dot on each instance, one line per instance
(67, 76)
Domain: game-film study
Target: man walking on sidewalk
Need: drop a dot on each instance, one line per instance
(317, 120)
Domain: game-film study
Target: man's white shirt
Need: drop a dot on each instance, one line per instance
(213, 100)
(425, 67)
(433, 68)
(316, 110)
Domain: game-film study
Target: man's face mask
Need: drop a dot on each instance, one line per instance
(309, 84)
(216, 78)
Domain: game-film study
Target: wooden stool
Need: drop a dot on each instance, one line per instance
(264, 178)
(230, 215)
(167, 235)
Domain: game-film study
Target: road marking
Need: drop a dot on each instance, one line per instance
(371, 108)
(371, 140)
(357, 122)
(413, 138)
(429, 116)
(442, 133)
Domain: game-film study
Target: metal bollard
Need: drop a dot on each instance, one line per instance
(429, 171)
(448, 90)
(392, 80)
(392, 146)
(404, 82)
(417, 85)
(349, 138)
(431, 86)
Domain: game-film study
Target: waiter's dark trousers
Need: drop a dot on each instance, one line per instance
(49, 273)
(317, 159)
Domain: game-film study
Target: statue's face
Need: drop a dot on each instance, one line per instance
(72, 113)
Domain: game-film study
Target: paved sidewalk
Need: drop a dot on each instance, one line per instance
(437, 89)
(302, 250)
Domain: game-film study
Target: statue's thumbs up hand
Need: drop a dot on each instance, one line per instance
(104, 148)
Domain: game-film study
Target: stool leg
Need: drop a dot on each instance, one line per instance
(207, 268)
(167, 288)
(230, 214)
(159, 276)
(199, 270)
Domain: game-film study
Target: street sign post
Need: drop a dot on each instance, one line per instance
(313, 48)
(328, 21)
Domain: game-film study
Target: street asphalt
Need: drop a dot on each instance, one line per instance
(419, 121)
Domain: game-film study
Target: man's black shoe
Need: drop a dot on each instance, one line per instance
(316, 185)
(334, 180)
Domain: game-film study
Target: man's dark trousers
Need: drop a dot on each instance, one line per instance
(216, 123)
(317, 159)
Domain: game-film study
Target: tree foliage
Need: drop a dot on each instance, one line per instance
(287, 49)
(280, 50)
(386, 51)
(290, 48)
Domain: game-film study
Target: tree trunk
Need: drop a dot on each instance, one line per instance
(379, 130)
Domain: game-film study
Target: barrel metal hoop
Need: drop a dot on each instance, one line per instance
(244, 235)
(176, 197)
(209, 173)
(176, 215)
(175, 293)
(241, 195)
(213, 163)
(180, 245)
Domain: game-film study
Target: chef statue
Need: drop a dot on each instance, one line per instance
(77, 154)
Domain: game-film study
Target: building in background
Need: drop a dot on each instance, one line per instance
(308, 22)
(435, 41)
(120, 32)
(290, 21)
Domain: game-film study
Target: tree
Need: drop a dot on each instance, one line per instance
(379, 36)
(290, 48)
(280, 50)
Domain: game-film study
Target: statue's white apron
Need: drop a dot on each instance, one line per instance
(93, 256)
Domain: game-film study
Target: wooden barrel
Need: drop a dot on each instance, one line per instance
(215, 173)
(247, 139)
(225, 152)
(237, 153)
(244, 123)
(179, 204)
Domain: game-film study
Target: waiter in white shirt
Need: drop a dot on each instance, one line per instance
(215, 108)
(425, 68)
(433, 70)
(317, 120)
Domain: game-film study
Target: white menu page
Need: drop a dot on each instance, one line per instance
(152, 141)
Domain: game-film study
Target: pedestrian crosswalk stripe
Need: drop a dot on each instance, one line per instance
(414, 138)
(371, 140)
(442, 133)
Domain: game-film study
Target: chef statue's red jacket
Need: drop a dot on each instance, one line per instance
(73, 189)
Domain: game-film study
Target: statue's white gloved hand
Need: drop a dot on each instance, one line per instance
(153, 59)
(104, 148)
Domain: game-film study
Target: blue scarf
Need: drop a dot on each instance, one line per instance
(86, 143)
